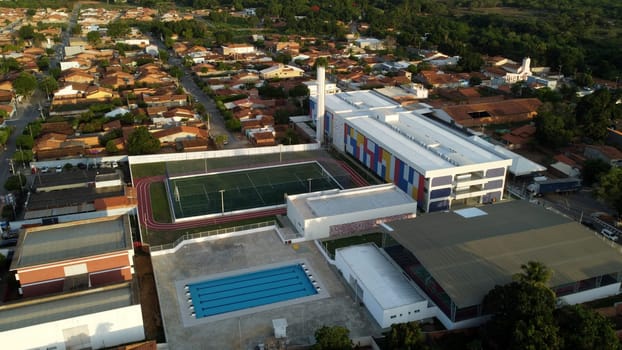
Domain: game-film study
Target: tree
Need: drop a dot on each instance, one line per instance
(522, 312)
(332, 338)
(406, 336)
(610, 189)
(595, 113)
(118, 29)
(25, 84)
(15, 182)
(535, 273)
(584, 329)
(592, 170)
(25, 141)
(111, 147)
(93, 37)
(141, 141)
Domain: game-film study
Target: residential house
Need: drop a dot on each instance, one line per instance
(179, 133)
(440, 79)
(281, 71)
(237, 49)
(100, 93)
(166, 100)
(369, 43)
(262, 137)
(519, 137)
(76, 75)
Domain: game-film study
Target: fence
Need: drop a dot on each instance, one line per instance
(212, 233)
(171, 157)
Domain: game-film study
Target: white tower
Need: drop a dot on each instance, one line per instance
(321, 92)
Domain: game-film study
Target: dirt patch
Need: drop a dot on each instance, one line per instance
(150, 306)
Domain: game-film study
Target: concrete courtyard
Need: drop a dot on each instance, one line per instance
(247, 330)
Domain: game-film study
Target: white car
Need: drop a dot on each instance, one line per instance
(608, 234)
(59, 169)
(45, 169)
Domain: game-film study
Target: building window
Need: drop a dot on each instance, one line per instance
(400, 315)
(393, 316)
(416, 311)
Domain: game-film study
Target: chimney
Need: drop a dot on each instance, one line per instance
(321, 92)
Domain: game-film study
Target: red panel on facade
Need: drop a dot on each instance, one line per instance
(109, 277)
(43, 288)
(27, 276)
(420, 193)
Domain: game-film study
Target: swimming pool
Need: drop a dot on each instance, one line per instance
(243, 291)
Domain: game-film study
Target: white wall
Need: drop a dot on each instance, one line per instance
(79, 216)
(105, 329)
(592, 294)
(171, 157)
(109, 183)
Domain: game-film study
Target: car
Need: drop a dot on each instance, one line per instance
(45, 169)
(115, 164)
(608, 234)
(59, 169)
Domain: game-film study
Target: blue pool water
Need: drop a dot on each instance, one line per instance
(248, 290)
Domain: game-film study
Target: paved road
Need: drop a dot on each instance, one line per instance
(26, 113)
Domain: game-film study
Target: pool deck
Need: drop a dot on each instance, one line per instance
(245, 329)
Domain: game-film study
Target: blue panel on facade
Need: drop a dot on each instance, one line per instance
(493, 184)
(440, 193)
(439, 205)
(495, 172)
(441, 180)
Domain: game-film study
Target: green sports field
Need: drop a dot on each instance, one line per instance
(244, 189)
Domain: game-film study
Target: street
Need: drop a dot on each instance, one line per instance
(27, 112)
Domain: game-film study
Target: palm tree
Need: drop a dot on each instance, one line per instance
(535, 273)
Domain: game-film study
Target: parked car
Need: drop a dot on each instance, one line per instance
(59, 169)
(115, 164)
(608, 234)
(45, 169)
(81, 166)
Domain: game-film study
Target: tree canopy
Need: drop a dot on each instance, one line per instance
(610, 189)
(406, 336)
(141, 141)
(583, 329)
(332, 338)
(25, 84)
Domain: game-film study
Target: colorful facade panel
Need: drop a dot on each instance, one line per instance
(383, 163)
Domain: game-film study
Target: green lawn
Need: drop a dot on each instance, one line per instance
(148, 169)
(159, 204)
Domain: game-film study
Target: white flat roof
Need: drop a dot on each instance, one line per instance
(357, 102)
(408, 133)
(379, 276)
(337, 202)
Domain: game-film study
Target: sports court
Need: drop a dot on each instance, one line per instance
(222, 192)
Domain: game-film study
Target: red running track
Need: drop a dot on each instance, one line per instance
(147, 219)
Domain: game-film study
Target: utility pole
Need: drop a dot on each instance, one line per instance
(222, 201)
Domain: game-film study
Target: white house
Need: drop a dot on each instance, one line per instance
(69, 64)
(369, 43)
